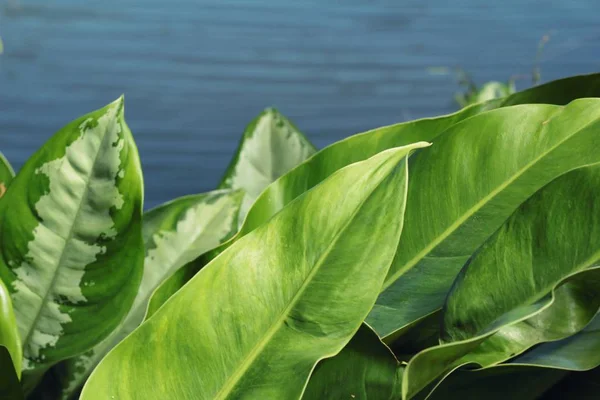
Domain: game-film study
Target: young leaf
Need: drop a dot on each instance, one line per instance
(364, 369)
(524, 259)
(174, 234)
(71, 243)
(476, 175)
(252, 322)
(6, 174)
(362, 146)
(270, 147)
(9, 333)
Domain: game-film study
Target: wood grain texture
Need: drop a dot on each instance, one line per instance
(194, 72)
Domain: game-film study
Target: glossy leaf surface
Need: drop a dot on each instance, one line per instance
(71, 243)
(252, 323)
(422, 297)
(505, 156)
(525, 259)
(174, 234)
(580, 352)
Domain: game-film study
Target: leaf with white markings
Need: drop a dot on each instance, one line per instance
(71, 238)
(174, 233)
(420, 299)
(251, 324)
(270, 147)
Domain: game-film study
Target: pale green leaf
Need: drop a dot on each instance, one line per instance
(467, 185)
(174, 234)
(252, 323)
(514, 332)
(71, 243)
(270, 146)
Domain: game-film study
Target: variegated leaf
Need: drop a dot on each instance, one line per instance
(71, 241)
(270, 147)
(174, 233)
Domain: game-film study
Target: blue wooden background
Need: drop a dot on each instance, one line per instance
(194, 72)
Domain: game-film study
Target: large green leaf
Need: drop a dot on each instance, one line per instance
(525, 259)
(71, 242)
(423, 293)
(512, 333)
(10, 388)
(472, 179)
(311, 173)
(270, 146)
(6, 174)
(555, 233)
(252, 323)
(9, 333)
(364, 369)
(174, 234)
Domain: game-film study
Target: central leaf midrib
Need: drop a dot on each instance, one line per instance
(229, 385)
(69, 236)
(480, 204)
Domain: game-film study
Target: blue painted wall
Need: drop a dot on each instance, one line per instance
(195, 72)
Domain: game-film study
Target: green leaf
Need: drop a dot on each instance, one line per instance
(505, 156)
(71, 242)
(6, 174)
(525, 259)
(580, 352)
(10, 388)
(364, 369)
(174, 234)
(252, 322)
(424, 293)
(525, 325)
(552, 235)
(9, 333)
(270, 146)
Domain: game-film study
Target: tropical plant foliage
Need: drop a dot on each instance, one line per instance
(449, 257)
